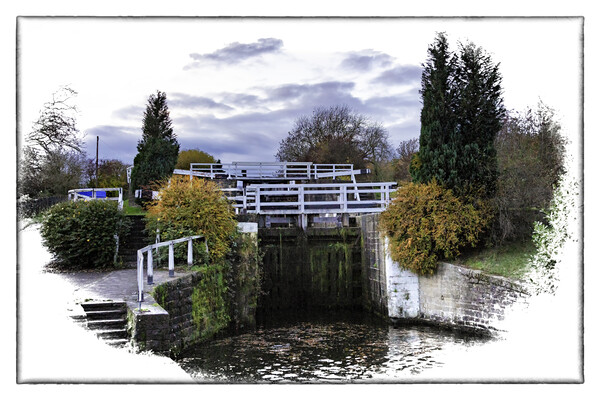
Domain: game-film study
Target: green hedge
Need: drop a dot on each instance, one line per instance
(80, 234)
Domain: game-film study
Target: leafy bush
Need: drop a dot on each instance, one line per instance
(531, 155)
(195, 207)
(80, 234)
(187, 157)
(426, 222)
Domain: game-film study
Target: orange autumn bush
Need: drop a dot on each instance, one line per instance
(426, 222)
(195, 207)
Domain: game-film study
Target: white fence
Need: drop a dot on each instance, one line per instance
(314, 198)
(150, 263)
(269, 170)
(96, 194)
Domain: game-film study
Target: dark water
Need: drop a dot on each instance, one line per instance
(327, 349)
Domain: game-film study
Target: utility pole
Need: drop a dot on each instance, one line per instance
(97, 143)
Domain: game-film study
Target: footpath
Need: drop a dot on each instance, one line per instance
(52, 348)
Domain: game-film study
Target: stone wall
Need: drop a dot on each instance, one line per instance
(373, 255)
(193, 307)
(468, 298)
(454, 296)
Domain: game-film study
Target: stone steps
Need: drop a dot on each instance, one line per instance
(107, 319)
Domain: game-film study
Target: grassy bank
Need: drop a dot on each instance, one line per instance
(510, 260)
(132, 210)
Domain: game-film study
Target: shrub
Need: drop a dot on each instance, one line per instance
(80, 234)
(195, 207)
(426, 222)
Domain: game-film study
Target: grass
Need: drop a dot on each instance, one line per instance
(132, 210)
(509, 260)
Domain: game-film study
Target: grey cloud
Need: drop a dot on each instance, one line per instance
(237, 52)
(129, 113)
(366, 60)
(187, 101)
(116, 142)
(401, 75)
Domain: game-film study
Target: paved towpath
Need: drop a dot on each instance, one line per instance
(118, 285)
(51, 348)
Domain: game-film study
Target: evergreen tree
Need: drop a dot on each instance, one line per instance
(480, 114)
(437, 154)
(158, 149)
(461, 116)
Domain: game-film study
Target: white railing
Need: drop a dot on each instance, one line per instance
(269, 170)
(96, 194)
(321, 198)
(150, 263)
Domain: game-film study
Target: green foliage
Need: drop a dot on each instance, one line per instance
(158, 149)
(111, 174)
(195, 207)
(461, 116)
(426, 222)
(80, 234)
(210, 310)
(550, 237)
(186, 157)
(531, 155)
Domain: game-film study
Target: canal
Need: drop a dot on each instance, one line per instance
(340, 347)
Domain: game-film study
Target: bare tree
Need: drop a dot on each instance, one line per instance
(52, 160)
(405, 152)
(56, 129)
(336, 135)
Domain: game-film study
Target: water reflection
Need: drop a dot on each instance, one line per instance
(322, 350)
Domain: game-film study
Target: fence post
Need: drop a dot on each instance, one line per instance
(257, 200)
(150, 268)
(190, 259)
(171, 260)
(140, 275)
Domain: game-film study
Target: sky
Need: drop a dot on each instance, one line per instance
(235, 86)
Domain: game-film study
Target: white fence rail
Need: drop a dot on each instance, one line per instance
(269, 170)
(96, 194)
(322, 198)
(150, 260)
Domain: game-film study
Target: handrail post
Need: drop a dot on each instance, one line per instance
(140, 275)
(150, 268)
(344, 197)
(171, 260)
(190, 255)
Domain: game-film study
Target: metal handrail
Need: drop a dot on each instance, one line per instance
(150, 262)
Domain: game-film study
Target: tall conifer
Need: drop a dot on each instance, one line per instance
(461, 116)
(437, 153)
(480, 113)
(158, 149)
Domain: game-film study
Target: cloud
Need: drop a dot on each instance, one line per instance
(366, 60)
(183, 100)
(237, 52)
(130, 113)
(116, 142)
(401, 75)
(309, 96)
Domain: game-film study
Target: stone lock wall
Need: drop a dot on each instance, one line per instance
(454, 296)
(468, 298)
(193, 306)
